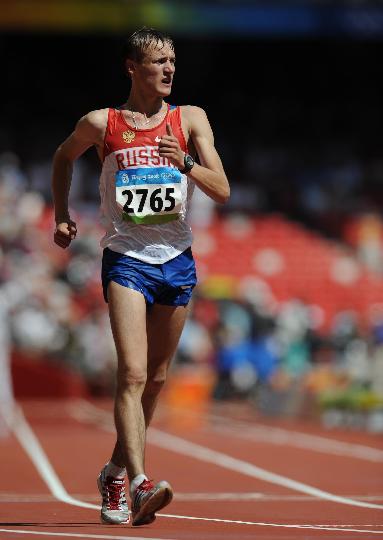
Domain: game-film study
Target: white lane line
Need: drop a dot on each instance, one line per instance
(269, 434)
(190, 497)
(261, 524)
(279, 525)
(281, 436)
(12, 498)
(34, 450)
(196, 451)
(78, 535)
(348, 525)
(43, 466)
(182, 446)
(296, 439)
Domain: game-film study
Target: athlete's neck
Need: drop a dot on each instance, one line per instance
(146, 108)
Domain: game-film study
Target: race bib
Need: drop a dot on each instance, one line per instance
(149, 195)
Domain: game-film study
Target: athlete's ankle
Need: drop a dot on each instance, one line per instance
(137, 480)
(114, 470)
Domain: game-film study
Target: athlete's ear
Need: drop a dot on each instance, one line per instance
(130, 67)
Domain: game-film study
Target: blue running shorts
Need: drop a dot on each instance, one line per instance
(170, 283)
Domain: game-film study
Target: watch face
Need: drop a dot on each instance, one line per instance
(189, 161)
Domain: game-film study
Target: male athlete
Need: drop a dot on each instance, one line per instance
(147, 149)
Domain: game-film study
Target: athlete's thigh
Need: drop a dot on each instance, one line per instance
(127, 312)
(164, 328)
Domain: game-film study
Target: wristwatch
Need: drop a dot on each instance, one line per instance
(188, 164)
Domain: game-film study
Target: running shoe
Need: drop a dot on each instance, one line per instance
(148, 499)
(114, 510)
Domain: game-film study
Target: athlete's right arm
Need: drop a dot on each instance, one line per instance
(89, 131)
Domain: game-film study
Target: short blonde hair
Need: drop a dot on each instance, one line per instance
(137, 44)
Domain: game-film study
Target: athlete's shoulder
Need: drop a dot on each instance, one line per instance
(91, 127)
(192, 110)
(193, 114)
(96, 119)
(195, 119)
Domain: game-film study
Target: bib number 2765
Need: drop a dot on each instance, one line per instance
(157, 202)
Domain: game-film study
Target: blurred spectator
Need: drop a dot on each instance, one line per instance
(261, 349)
(306, 151)
(369, 242)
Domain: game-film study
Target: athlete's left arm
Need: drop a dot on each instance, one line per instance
(209, 176)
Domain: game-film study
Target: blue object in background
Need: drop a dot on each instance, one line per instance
(257, 353)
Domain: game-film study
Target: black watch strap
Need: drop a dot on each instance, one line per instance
(188, 164)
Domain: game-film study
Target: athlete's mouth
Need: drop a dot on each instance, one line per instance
(166, 80)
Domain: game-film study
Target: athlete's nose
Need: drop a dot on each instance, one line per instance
(169, 67)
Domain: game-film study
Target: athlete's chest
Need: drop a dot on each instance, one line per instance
(139, 156)
(148, 188)
(133, 146)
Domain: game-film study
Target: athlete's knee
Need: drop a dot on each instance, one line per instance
(129, 379)
(155, 383)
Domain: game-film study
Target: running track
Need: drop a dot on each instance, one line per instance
(233, 478)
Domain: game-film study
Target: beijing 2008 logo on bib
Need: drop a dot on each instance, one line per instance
(128, 136)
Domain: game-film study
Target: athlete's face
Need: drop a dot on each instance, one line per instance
(156, 70)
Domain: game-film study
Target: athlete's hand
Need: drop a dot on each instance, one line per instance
(169, 147)
(65, 232)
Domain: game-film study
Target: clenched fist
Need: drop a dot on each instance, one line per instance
(65, 232)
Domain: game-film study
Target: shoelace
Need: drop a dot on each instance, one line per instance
(141, 491)
(114, 493)
(146, 485)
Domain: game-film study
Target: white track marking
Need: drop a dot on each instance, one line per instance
(78, 535)
(37, 455)
(287, 437)
(196, 451)
(380, 525)
(12, 498)
(33, 449)
(282, 525)
(273, 435)
(190, 497)
(183, 446)
(260, 524)
(296, 439)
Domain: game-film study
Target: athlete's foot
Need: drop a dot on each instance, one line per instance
(114, 510)
(148, 499)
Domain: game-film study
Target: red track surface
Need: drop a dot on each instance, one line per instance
(77, 439)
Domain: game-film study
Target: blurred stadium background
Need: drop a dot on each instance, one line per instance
(288, 314)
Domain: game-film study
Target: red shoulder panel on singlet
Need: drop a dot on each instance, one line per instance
(119, 134)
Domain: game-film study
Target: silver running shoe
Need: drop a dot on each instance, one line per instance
(114, 509)
(148, 499)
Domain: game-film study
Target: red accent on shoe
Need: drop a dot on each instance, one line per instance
(115, 489)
